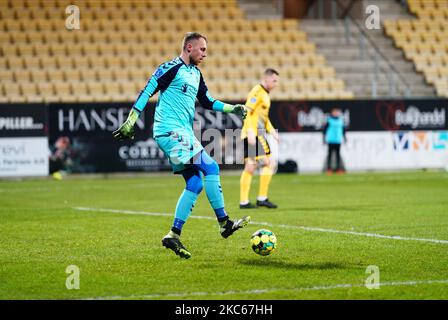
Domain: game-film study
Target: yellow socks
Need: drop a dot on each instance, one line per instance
(245, 181)
(265, 180)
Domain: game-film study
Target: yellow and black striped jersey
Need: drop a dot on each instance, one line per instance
(258, 103)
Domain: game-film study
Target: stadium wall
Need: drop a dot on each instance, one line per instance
(382, 135)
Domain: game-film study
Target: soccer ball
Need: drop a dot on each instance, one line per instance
(263, 242)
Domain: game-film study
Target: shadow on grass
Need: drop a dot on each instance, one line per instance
(288, 265)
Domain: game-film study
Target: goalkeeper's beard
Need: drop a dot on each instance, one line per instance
(195, 62)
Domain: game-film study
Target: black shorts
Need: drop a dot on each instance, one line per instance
(260, 149)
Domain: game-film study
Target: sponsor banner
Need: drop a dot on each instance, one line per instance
(369, 150)
(95, 119)
(24, 157)
(362, 115)
(25, 120)
(102, 119)
(102, 154)
(89, 129)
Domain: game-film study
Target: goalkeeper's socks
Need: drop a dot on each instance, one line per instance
(245, 182)
(183, 210)
(214, 194)
(265, 180)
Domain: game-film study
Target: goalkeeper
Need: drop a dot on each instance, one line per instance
(180, 83)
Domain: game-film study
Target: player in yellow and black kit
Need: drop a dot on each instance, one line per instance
(256, 147)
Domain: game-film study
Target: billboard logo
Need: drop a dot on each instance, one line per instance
(12, 150)
(414, 118)
(401, 141)
(19, 123)
(141, 150)
(441, 141)
(317, 118)
(76, 119)
(395, 115)
(420, 140)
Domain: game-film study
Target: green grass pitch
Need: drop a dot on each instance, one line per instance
(322, 225)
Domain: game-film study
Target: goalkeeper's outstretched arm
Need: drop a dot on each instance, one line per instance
(158, 81)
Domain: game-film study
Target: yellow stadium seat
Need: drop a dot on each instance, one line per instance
(321, 85)
(15, 62)
(90, 49)
(327, 72)
(304, 86)
(105, 74)
(3, 63)
(443, 72)
(56, 75)
(48, 62)
(113, 91)
(11, 89)
(420, 63)
(89, 74)
(337, 85)
(46, 89)
(316, 60)
(435, 60)
(29, 89)
(39, 76)
(307, 47)
(33, 62)
(26, 50)
(95, 88)
(346, 95)
(7, 75)
(62, 88)
(438, 48)
(289, 86)
(22, 75)
(404, 24)
(423, 48)
(9, 51)
(121, 75)
(72, 75)
(290, 24)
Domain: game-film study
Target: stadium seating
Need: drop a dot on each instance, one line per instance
(121, 42)
(424, 40)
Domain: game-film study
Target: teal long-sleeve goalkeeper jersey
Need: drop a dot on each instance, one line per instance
(179, 85)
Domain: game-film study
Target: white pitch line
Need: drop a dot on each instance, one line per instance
(364, 234)
(262, 291)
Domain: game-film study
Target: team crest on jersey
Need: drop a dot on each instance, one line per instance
(158, 72)
(253, 100)
(184, 88)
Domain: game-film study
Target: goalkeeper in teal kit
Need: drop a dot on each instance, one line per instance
(180, 83)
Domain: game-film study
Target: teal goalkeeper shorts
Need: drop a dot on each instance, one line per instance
(179, 147)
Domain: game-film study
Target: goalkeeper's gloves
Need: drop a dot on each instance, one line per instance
(238, 109)
(126, 130)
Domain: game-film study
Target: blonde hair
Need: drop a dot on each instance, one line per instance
(190, 36)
